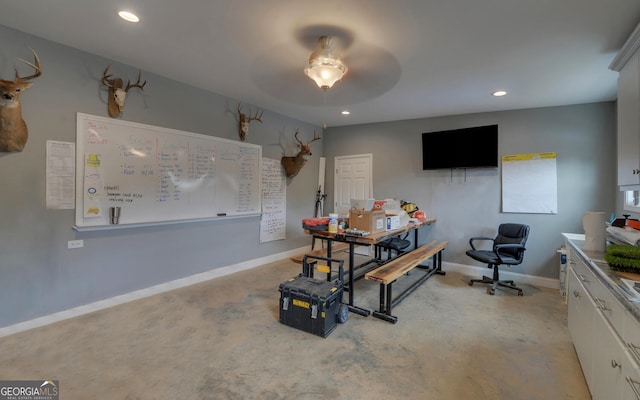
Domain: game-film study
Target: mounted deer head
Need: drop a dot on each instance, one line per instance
(293, 165)
(13, 129)
(118, 95)
(244, 120)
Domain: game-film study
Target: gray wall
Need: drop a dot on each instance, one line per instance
(39, 275)
(465, 205)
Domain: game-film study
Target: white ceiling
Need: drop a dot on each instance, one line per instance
(407, 58)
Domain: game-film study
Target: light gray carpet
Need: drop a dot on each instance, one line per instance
(222, 340)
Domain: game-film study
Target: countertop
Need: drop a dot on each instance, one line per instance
(610, 278)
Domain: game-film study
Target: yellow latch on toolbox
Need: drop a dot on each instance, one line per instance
(324, 268)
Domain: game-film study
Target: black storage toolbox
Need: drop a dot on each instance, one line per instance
(314, 305)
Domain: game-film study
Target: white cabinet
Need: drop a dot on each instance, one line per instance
(605, 334)
(627, 62)
(580, 322)
(629, 122)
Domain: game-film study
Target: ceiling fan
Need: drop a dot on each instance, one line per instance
(361, 69)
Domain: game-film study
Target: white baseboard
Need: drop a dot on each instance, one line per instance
(230, 269)
(504, 273)
(147, 292)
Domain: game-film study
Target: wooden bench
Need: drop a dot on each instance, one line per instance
(388, 273)
(335, 247)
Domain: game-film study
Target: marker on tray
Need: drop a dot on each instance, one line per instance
(222, 214)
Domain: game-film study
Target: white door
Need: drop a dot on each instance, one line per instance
(352, 180)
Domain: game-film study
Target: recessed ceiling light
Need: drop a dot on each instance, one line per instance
(346, 112)
(128, 16)
(499, 93)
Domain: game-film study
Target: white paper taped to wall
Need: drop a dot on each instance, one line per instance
(530, 183)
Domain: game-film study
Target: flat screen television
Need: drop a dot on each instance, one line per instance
(475, 147)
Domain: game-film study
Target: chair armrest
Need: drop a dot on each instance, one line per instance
(499, 247)
(473, 239)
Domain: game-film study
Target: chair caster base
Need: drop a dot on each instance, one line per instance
(495, 283)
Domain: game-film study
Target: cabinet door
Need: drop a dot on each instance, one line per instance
(580, 323)
(610, 362)
(631, 337)
(629, 122)
(608, 305)
(631, 387)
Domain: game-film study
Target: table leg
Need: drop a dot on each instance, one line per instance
(352, 248)
(386, 303)
(352, 307)
(382, 297)
(389, 300)
(438, 261)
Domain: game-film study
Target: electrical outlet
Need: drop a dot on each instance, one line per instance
(74, 244)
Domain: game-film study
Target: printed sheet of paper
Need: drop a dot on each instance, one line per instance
(61, 172)
(273, 223)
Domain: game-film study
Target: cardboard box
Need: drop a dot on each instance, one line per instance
(391, 205)
(371, 221)
(392, 222)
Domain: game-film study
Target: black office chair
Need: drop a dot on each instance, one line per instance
(508, 249)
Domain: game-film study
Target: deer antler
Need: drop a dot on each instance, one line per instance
(297, 138)
(256, 117)
(305, 147)
(35, 66)
(105, 77)
(137, 84)
(315, 137)
(249, 118)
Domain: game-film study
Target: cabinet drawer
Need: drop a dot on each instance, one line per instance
(585, 275)
(608, 305)
(631, 336)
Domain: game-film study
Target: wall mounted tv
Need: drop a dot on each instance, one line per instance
(475, 147)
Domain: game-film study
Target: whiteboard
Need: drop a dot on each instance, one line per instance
(530, 183)
(161, 175)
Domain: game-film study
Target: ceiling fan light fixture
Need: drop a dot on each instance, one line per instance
(324, 67)
(128, 16)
